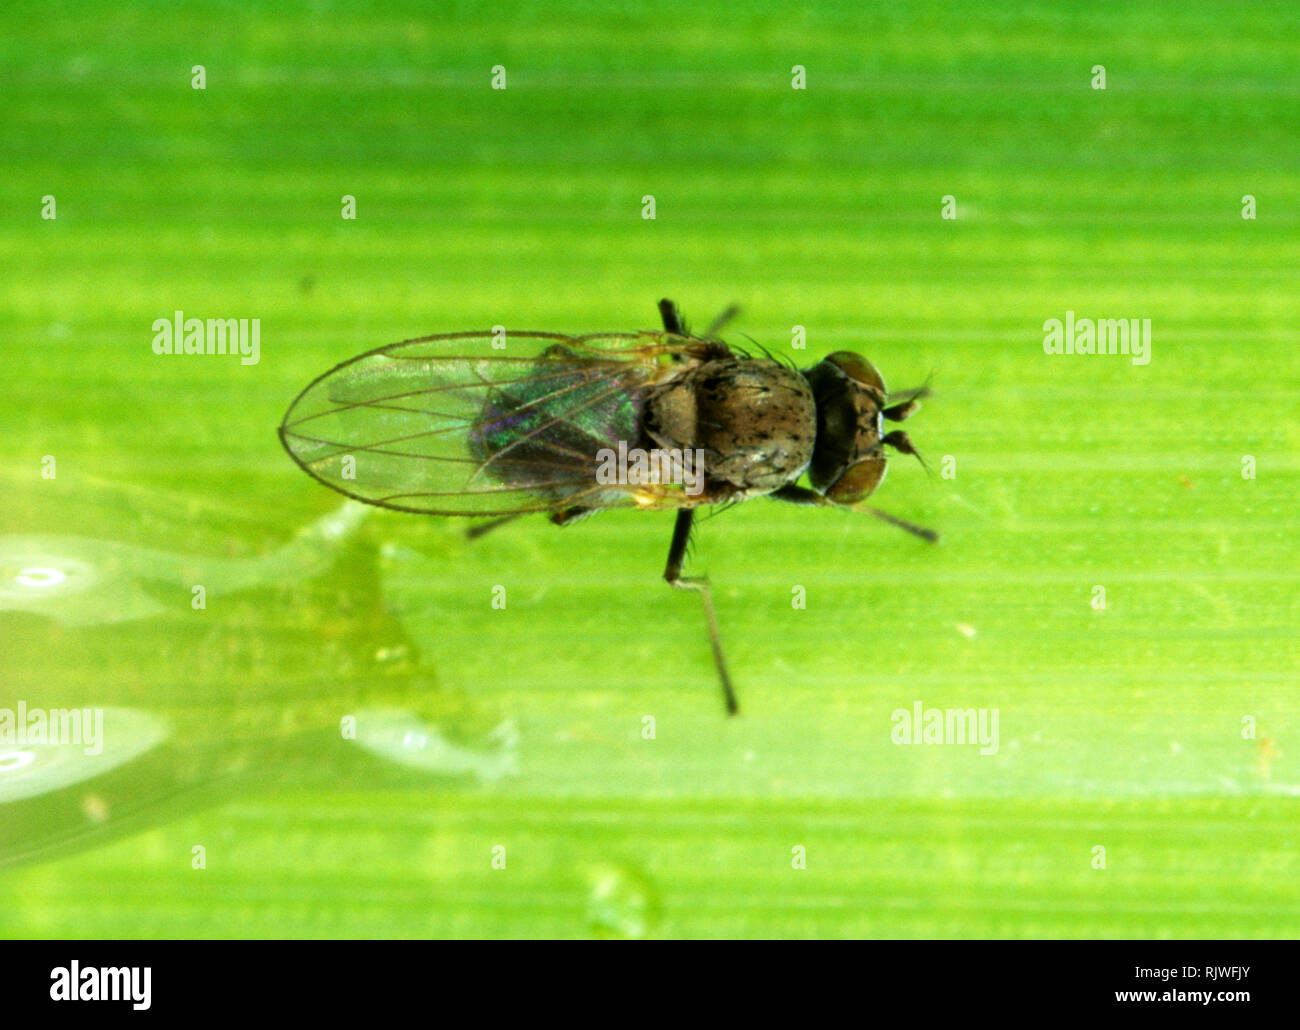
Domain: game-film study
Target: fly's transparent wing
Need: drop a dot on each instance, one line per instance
(452, 425)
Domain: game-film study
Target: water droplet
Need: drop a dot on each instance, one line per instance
(84, 582)
(621, 902)
(11, 760)
(402, 737)
(415, 740)
(122, 734)
(40, 578)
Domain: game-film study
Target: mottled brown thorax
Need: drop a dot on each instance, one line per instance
(755, 420)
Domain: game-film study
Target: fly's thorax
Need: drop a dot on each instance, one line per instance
(754, 419)
(848, 462)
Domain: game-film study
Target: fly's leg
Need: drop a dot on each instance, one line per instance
(800, 495)
(481, 528)
(708, 346)
(672, 317)
(673, 322)
(792, 494)
(566, 515)
(719, 323)
(700, 584)
(910, 527)
(560, 518)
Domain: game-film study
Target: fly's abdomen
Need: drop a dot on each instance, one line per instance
(550, 425)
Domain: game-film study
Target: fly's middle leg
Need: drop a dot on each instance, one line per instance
(672, 318)
(673, 322)
(700, 584)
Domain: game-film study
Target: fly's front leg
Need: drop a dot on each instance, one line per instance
(792, 494)
(700, 584)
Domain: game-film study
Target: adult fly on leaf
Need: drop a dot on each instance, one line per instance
(492, 425)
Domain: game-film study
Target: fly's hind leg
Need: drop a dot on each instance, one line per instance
(700, 584)
(567, 515)
(560, 518)
(482, 528)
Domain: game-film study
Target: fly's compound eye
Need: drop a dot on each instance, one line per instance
(858, 481)
(858, 368)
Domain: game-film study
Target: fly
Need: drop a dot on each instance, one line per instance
(490, 426)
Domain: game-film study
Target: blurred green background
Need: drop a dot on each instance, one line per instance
(522, 729)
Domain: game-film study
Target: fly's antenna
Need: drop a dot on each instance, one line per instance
(921, 391)
(901, 443)
(904, 405)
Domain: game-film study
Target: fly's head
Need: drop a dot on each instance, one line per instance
(848, 460)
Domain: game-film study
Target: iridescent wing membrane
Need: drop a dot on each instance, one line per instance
(452, 425)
